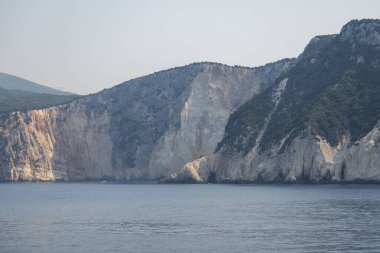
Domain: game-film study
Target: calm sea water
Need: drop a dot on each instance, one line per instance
(96, 217)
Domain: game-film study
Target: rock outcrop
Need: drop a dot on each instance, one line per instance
(143, 129)
(319, 122)
(307, 159)
(314, 119)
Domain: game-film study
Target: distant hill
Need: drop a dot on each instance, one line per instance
(16, 100)
(11, 82)
(19, 94)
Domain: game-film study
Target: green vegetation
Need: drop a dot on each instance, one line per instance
(14, 100)
(351, 107)
(246, 123)
(320, 67)
(333, 90)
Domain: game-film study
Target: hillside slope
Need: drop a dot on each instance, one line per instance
(143, 129)
(11, 82)
(16, 100)
(319, 122)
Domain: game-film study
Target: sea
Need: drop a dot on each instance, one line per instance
(150, 217)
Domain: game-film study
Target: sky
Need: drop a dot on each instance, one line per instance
(84, 46)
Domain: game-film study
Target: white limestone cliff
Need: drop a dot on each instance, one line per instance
(141, 130)
(306, 160)
(215, 94)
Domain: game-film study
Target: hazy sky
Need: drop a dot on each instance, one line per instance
(84, 46)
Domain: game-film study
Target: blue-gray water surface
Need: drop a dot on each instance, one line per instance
(96, 217)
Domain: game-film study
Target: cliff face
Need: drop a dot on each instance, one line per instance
(143, 129)
(307, 159)
(314, 119)
(19, 133)
(64, 142)
(319, 122)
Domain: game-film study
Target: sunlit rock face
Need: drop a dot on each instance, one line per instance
(307, 159)
(314, 119)
(143, 129)
(317, 123)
